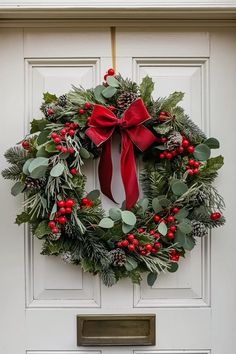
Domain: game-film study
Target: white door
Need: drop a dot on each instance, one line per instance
(40, 296)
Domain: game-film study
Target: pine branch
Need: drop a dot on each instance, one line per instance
(108, 277)
(13, 172)
(16, 155)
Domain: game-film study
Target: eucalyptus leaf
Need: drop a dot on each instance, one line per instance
(17, 188)
(38, 162)
(151, 278)
(180, 238)
(57, 170)
(164, 202)
(182, 214)
(128, 217)
(185, 226)
(130, 264)
(179, 187)
(156, 205)
(84, 153)
(109, 91)
(126, 228)
(39, 172)
(162, 228)
(98, 93)
(115, 213)
(202, 152)
(42, 152)
(143, 203)
(106, 223)
(212, 143)
(25, 168)
(189, 243)
(111, 80)
(93, 195)
(53, 211)
(173, 267)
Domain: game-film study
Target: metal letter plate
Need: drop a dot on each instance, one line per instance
(116, 330)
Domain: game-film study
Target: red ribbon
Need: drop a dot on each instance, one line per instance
(102, 125)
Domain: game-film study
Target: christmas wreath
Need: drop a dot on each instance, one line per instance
(150, 235)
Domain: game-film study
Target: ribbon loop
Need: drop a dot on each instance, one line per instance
(101, 128)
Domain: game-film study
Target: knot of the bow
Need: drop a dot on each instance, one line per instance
(101, 128)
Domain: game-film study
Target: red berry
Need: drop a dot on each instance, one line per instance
(148, 247)
(111, 72)
(175, 210)
(152, 232)
(174, 258)
(59, 147)
(170, 218)
(54, 135)
(25, 144)
(173, 153)
(125, 243)
(57, 140)
(215, 216)
(131, 248)
(68, 210)
(153, 250)
(85, 201)
(180, 149)
(63, 131)
(135, 242)
(76, 125)
(185, 143)
(73, 171)
(71, 150)
(61, 203)
(196, 164)
(71, 132)
(55, 230)
(170, 235)
(191, 149)
(51, 224)
(130, 237)
(119, 244)
(143, 253)
(190, 172)
(157, 245)
(140, 230)
(69, 203)
(162, 156)
(169, 155)
(163, 139)
(157, 236)
(62, 210)
(173, 228)
(87, 105)
(62, 220)
(81, 111)
(50, 111)
(195, 171)
(112, 108)
(64, 150)
(191, 162)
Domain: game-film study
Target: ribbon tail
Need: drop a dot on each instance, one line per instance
(105, 170)
(128, 171)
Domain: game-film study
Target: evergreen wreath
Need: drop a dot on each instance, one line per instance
(150, 235)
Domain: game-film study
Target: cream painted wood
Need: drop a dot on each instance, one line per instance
(41, 296)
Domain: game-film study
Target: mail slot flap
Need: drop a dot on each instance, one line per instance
(115, 330)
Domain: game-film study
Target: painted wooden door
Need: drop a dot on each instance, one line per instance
(41, 296)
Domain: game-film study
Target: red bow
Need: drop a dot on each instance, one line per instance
(102, 125)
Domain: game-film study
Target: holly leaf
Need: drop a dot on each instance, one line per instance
(214, 164)
(162, 129)
(37, 125)
(42, 152)
(106, 223)
(22, 218)
(212, 143)
(50, 147)
(42, 229)
(151, 278)
(17, 188)
(146, 89)
(202, 152)
(43, 137)
(173, 267)
(171, 101)
(49, 97)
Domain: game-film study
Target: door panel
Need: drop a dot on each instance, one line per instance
(41, 296)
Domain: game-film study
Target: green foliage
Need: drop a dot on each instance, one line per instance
(202, 152)
(16, 155)
(171, 101)
(13, 172)
(49, 98)
(146, 89)
(151, 278)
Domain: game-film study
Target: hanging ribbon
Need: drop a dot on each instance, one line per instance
(102, 125)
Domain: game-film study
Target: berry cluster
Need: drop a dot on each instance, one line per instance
(192, 167)
(174, 255)
(185, 147)
(69, 129)
(110, 72)
(86, 107)
(163, 116)
(86, 203)
(63, 207)
(170, 221)
(25, 144)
